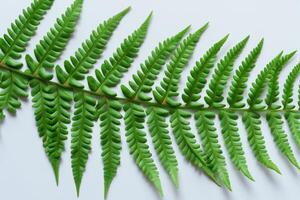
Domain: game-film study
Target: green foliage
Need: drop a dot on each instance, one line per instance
(14, 42)
(169, 85)
(144, 79)
(162, 141)
(212, 150)
(13, 87)
(198, 75)
(52, 104)
(221, 75)
(229, 119)
(54, 42)
(82, 124)
(187, 143)
(109, 115)
(293, 118)
(91, 50)
(137, 142)
(52, 100)
(112, 70)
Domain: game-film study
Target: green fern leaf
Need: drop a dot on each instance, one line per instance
(274, 118)
(221, 75)
(252, 119)
(198, 75)
(169, 85)
(228, 119)
(187, 143)
(109, 115)
(54, 42)
(293, 118)
(256, 140)
(162, 141)
(258, 86)
(13, 87)
(18, 35)
(230, 132)
(239, 82)
(112, 70)
(52, 104)
(144, 79)
(212, 149)
(82, 123)
(91, 50)
(137, 142)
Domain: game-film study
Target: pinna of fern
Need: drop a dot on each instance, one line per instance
(52, 101)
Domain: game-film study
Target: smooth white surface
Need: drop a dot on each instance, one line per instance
(24, 169)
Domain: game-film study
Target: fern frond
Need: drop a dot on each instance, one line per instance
(252, 119)
(187, 143)
(198, 75)
(82, 123)
(214, 94)
(14, 42)
(54, 42)
(256, 140)
(274, 118)
(258, 86)
(230, 132)
(112, 70)
(13, 87)
(52, 104)
(91, 50)
(293, 118)
(287, 96)
(212, 149)
(137, 142)
(143, 80)
(168, 89)
(109, 115)
(239, 82)
(162, 141)
(273, 85)
(228, 119)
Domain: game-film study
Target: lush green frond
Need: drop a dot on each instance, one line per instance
(228, 119)
(109, 115)
(168, 88)
(14, 42)
(287, 96)
(198, 75)
(52, 104)
(221, 75)
(52, 114)
(143, 80)
(112, 70)
(259, 85)
(239, 82)
(212, 149)
(233, 142)
(293, 118)
(162, 141)
(82, 123)
(187, 143)
(276, 125)
(91, 50)
(13, 88)
(275, 119)
(54, 42)
(256, 139)
(273, 84)
(137, 142)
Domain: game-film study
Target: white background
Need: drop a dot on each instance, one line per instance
(25, 172)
